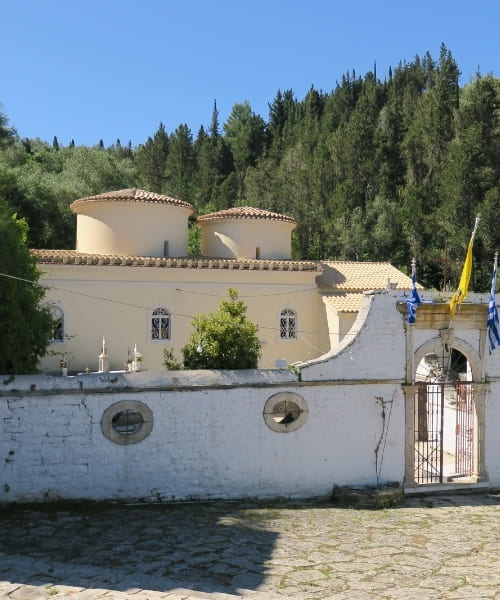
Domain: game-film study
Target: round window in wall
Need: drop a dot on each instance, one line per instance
(285, 412)
(127, 422)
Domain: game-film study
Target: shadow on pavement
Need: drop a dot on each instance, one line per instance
(223, 547)
(205, 547)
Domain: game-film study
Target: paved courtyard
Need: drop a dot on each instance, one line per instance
(433, 547)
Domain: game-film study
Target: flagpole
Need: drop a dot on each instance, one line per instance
(487, 336)
(463, 285)
(478, 218)
(411, 351)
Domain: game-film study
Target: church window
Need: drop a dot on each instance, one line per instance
(288, 324)
(58, 330)
(160, 325)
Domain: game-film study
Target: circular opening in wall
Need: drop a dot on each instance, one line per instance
(285, 412)
(127, 422)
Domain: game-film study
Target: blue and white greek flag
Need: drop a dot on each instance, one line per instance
(414, 300)
(493, 325)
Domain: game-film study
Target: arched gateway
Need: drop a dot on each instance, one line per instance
(445, 394)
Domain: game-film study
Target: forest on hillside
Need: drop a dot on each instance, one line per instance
(372, 171)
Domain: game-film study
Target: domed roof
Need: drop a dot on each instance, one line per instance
(129, 195)
(246, 212)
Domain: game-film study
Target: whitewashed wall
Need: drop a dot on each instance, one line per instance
(209, 439)
(492, 434)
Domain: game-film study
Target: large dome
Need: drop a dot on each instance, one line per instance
(132, 222)
(128, 195)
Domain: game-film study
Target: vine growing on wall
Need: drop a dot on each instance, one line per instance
(385, 413)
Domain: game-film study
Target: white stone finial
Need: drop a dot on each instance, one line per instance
(136, 365)
(103, 358)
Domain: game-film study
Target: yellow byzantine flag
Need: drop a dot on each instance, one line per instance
(461, 293)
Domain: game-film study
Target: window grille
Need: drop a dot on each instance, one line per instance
(160, 324)
(288, 324)
(58, 331)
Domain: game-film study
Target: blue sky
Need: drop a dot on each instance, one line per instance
(108, 69)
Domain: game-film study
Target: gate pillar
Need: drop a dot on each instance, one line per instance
(409, 392)
(479, 467)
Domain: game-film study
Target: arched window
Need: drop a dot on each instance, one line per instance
(288, 324)
(160, 325)
(58, 331)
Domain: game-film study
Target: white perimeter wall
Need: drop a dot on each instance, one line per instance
(492, 434)
(209, 440)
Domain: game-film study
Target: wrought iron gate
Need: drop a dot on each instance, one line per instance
(444, 432)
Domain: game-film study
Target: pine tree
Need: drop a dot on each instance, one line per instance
(180, 164)
(152, 160)
(214, 124)
(245, 135)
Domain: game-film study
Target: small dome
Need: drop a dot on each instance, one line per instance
(246, 212)
(245, 232)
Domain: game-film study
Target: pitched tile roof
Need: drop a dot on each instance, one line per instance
(361, 276)
(129, 195)
(73, 257)
(246, 212)
(346, 302)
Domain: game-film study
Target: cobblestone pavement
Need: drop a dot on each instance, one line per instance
(433, 547)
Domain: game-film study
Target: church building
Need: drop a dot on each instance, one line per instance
(130, 289)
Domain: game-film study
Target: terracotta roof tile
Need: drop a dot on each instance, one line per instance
(73, 257)
(246, 212)
(360, 276)
(129, 195)
(346, 302)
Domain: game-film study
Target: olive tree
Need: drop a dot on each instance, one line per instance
(26, 326)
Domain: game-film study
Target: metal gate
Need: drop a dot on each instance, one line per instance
(444, 432)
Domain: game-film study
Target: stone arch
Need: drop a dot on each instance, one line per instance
(476, 429)
(436, 344)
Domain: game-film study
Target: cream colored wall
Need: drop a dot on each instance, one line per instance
(115, 302)
(240, 238)
(346, 322)
(333, 323)
(132, 229)
(338, 323)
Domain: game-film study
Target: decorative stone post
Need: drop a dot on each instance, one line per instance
(128, 364)
(103, 359)
(136, 364)
(63, 363)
